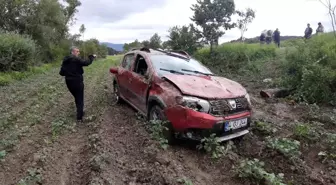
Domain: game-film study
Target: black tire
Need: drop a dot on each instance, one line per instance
(156, 113)
(116, 94)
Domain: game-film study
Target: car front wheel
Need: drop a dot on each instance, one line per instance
(156, 114)
(116, 94)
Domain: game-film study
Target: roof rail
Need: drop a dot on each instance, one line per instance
(145, 49)
(181, 52)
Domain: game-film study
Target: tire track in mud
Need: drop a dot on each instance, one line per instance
(125, 154)
(53, 159)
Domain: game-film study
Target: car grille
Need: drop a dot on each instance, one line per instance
(222, 107)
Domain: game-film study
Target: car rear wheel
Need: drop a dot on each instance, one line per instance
(116, 94)
(155, 114)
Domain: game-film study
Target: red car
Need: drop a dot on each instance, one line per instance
(173, 87)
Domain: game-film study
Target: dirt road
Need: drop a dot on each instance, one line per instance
(43, 144)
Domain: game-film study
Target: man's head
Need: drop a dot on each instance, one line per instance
(319, 24)
(308, 25)
(74, 51)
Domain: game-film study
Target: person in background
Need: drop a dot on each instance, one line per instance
(276, 37)
(262, 38)
(308, 32)
(320, 29)
(269, 36)
(72, 70)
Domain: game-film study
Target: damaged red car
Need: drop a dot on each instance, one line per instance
(175, 88)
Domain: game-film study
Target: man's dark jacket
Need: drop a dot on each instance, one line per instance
(72, 67)
(277, 36)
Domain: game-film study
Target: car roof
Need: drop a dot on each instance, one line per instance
(150, 51)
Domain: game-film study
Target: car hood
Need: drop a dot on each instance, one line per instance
(207, 87)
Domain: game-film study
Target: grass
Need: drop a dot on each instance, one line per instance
(44, 100)
(8, 77)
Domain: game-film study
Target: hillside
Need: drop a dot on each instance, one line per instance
(256, 39)
(117, 47)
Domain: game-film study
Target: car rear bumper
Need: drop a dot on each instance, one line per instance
(184, 120)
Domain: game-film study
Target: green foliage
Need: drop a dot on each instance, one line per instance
(3, 154)
(184, 181)
(245, 18)
(213, 146)
(264, 128)
(157, 129)
(288, 147)
(34, 177)
(17, 52)
(255, 172)
(92, 46)
(311, 70)
(45, 21)
(129, 46)
(232, 57)
(306, 132)
(8, 77)
(155, 41)
(212, 16)
(184, 38)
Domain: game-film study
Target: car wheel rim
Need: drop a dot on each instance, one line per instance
(116, 94)
(155, 115)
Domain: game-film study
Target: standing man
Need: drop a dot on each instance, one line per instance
(72, 69)
(262, 38)
(308, 32)
(276, 36)
(320, 29)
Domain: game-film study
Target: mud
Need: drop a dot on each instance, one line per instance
(113, 145)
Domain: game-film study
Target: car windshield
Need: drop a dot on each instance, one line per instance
(165, 64)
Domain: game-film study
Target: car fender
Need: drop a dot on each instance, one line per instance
(157, 99)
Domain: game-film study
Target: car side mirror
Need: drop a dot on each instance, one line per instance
(113, 70)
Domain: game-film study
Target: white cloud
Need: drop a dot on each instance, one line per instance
(290, 16)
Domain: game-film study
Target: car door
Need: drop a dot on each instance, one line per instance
(124, 73)
(139, 83)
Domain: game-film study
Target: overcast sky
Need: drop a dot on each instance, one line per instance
(120, 21)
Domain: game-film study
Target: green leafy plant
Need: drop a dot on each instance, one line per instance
(213, 146)
(264, 128)
(184, 181)
(254, 171)
(306, 132)
(288, 147)
(157, 129)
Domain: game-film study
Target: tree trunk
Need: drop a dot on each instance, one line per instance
(211, 48)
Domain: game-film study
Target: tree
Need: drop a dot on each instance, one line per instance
(129, 46)
(245, 18)
(184, 38)
(82, 30)
(71, 10)
(165, 45)
(155, 41)
(331, 11)
(145, 43)
(211, 16)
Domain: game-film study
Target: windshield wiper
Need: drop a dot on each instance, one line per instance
(198, 72)
(172, 71)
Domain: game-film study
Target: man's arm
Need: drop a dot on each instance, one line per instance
(86, 62)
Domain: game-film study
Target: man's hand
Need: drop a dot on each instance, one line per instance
(92, 56)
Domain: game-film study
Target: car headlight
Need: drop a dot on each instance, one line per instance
(194, 103)
(247, 96)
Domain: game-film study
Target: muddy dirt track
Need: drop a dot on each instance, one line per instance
(44, 145)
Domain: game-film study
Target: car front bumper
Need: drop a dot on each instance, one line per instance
(185, 120)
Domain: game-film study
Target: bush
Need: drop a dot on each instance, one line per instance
(17, 52)
(311, 70)
(232, 57)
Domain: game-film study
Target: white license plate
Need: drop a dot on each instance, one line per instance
(235, 124)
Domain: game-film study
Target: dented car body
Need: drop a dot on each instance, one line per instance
(173, 87)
